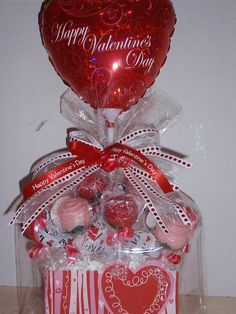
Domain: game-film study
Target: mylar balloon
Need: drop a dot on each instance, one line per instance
(109, 52)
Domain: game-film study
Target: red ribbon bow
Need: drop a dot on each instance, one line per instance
(89, 157)
(111, 158)
(85, 159)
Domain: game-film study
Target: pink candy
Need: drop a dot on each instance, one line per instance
(72, 213)
(177, 236)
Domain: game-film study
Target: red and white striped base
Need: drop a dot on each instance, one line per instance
(113, 290)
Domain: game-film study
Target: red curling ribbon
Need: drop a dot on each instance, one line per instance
(112, 157)
(125, 233)
(110, 125)
(35, 251)
(121, 235)
(186, 248)
(71, 251)
(174, 259)
(110, 238)
(92, 232)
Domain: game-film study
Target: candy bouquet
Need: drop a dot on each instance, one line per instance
(107, 228)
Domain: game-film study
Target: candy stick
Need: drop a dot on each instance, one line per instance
(111, 114)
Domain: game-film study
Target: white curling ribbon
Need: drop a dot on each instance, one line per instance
(27, 215)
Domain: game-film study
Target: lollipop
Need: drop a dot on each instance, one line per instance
(92, 186)
(121, 211)
(177, 236)
(71, 214)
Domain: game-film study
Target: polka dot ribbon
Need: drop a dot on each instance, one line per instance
(87, 157)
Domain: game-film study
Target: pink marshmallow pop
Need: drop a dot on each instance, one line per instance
(72, 213)
(177, 236)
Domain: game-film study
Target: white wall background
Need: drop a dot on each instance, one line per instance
(200, 74)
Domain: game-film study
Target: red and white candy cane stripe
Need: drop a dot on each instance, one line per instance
(132, 135)
(147, 176)
(58, 157)
(156, 152)
(48, 187)
(57, 195)
(184, 218)
(146, 198)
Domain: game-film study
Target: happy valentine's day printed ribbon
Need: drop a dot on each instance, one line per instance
(88, 157)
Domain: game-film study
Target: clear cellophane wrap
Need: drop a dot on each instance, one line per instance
(106, 227)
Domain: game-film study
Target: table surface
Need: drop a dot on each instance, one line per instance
(215, 305)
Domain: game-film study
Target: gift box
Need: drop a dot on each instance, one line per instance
(150, 289)
(106, 226)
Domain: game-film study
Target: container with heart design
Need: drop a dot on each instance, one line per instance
(151, 288)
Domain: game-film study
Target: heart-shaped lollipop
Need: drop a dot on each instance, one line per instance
(109, 52)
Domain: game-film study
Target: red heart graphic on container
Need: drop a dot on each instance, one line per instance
(147, 290)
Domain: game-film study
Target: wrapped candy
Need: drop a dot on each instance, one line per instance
(110, 213)
(120, 211)
(92, 187)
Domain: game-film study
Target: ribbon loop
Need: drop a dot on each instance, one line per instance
(87, 156)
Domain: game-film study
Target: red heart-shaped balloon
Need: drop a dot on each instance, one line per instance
(148, 290)
(109, 52)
